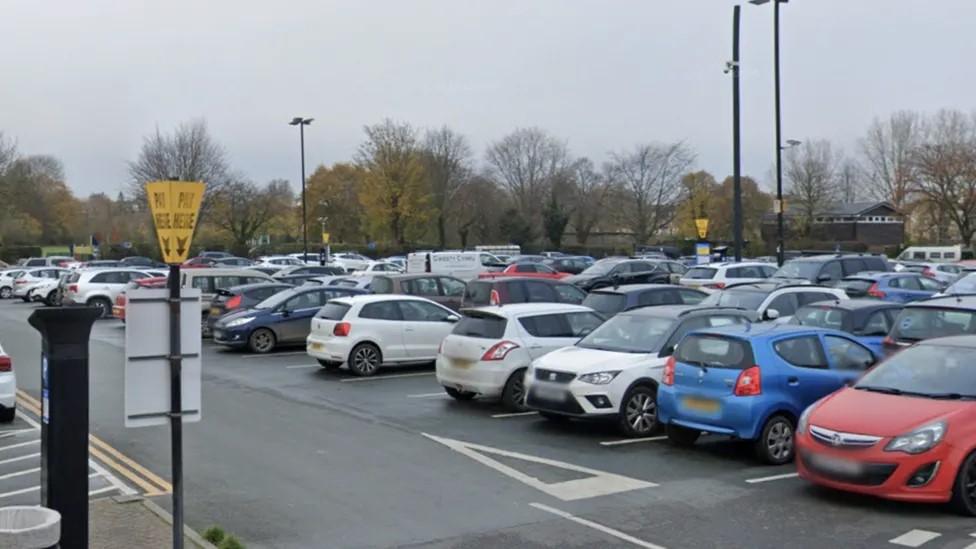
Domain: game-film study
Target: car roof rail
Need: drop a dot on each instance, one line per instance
(712, 308)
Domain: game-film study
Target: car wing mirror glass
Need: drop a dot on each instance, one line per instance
(452, 318)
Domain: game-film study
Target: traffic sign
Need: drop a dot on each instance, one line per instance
(175, 205)
(701, 224)
(325, 238)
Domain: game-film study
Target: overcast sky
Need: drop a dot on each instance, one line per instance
(84, 81)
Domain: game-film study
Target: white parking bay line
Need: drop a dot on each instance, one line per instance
(274, 355)
(596, 526)
(632, 441)
(381, 378)
(21, 458)
(772, 478)
(19, 473)
(514, 414)
(915, 538)
(430, 395)
(299, 366)
(20, 445)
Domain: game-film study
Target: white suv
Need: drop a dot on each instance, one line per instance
(8, 388)
(7, 278)
(99, 287)
(488, 351)
(614, 372)
(716, 276)
(369, 331)
(772, 301)
(29, 279)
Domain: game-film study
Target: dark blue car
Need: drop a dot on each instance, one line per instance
(610, 301)
(868, 320)
(903, 287)
(283, 319)
(753, 382)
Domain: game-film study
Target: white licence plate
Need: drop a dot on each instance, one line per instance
(835, 465)
(549, 392)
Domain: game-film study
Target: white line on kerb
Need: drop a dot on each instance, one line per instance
(381, 378)
(915, 538)
(514, 414)
(632, 441)
(772, 478)
(428, 395)
(596, 526)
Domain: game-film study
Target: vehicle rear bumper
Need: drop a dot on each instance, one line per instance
(669, 411)
(333, 349)
(8, 391)
(483, 378)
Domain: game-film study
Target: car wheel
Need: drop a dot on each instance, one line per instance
(103, 305)
(329, 364)
(365, 360)
(638, 412)
(775, 444)
(52, 299)
(261, 341)
(683, 436)
(458, 395)
(7, 415)
(964, 489)
(5, 292)
(513, 396)
(557, 418)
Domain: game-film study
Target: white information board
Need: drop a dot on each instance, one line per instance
(147, 369)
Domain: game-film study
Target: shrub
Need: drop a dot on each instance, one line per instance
(230, 542)
(214, 534)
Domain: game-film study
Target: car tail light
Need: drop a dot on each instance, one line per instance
(494, 298)
(6, 365)
(873, 291)
(233, 303)
(73, 288)
(928, 272)
(499, 350)
(668, 377)
(715, 285)
(342, 329)
(749, 382)
(120, 299)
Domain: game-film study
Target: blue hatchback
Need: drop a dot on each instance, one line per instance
(903, 287)
(753, 382)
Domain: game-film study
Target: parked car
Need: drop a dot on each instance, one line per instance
(526, 270)
(297, 273)
(138, 261)
(100, 263)
(569, 264)
(280, 320)
(31, 278)
(716, 276)
(489, 349)
(239, 298)
(445, 290)
(828, 269)
(380, 267)
(618, 272)
(614, 372)
(7, 278)
(370, 331)
(965, 285)
(610, 301)
(152, 282)
(868, 320)
(754, 382)
(772, 301)
(208, 281)
(8, 388)
(520, 290)
(278, 262)
(905, 431)
(98, 287)
(215, 254)
(233, 262)
(900, 287)
(350, 261)
(937, 317)
(199, 262)
(49, 261)
(946, 273)
(529, 258)
(463, 265)
(49, 291)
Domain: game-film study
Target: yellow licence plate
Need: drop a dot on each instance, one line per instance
(701, 404)
(316, 346)
(214, 311)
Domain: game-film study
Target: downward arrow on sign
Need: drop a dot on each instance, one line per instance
(165, 245)
(181, 245)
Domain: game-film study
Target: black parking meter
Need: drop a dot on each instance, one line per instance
(64, 416)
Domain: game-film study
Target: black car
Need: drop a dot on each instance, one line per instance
(618, 271)
(238, 298)
(569, 264)
(610, 301)
(138, 261)
(502, 291)
(828, 269)
(869, 320)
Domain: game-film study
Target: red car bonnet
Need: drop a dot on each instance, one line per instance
(863, 412)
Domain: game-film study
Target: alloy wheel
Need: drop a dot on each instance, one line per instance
(779, 441)
(263, 341)
(641, 412)
(5, 293)
(366, 360)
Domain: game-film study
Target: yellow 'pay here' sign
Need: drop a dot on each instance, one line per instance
(175, 206)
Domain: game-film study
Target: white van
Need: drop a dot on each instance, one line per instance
(464, 265)
(932, 253)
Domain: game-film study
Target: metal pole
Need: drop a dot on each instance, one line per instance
(176, 402)
(301, 131)
(779, 145)
(736, 145)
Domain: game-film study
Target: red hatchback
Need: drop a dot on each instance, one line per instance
(905, 431)
(527, 270)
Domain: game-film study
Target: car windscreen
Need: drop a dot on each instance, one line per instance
(700, 273)
(477, 293)
(630, 333)
(798, 269)
(934, 371)
(382, 285)
(277, 299)
(483, 326)
(599, 268)
(965, 285)
(710, 351)
(746, 299)
(918, 323)
(606, 303)
(821, 317)
(333, 311)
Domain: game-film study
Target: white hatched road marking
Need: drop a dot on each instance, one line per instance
(21, 445)
(915, 538)
(20, 458)
(38, 487)
(772, 478)
(597, 526)
(381, 378)
(632, 441)
(514, 414)
(18, 473)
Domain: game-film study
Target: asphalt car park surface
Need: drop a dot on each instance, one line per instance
(289, 455)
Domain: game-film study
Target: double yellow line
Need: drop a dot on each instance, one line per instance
(149, 482)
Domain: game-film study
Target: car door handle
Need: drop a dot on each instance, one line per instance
(793, 381)
(535, 346)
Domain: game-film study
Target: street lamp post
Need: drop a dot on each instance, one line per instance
(779, 145)
(301, 123)
(736, 143)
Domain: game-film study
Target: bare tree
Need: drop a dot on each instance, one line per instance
(849, 181)
(526, 162)
(886, 153)
(811, 171)
(649, 178)
(590, 192)
(447, 165)
(945, 165)
(8, 152)
(243, 209)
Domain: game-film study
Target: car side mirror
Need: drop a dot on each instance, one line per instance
(771, 314)
(667, 351)
(824, 277)
(284, 312)
(452, 318)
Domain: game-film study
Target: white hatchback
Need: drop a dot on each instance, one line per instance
(8, 388)
(716, 276)
(369, 331)
(488, 351)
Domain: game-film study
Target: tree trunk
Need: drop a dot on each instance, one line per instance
(463, 234)
(442, 231)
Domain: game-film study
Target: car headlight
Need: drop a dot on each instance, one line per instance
(599, 378)
(919, 440)
(239, 321)
(801, 425)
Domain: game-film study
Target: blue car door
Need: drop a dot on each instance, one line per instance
(806, 375)
(848, 358)
(909, 289)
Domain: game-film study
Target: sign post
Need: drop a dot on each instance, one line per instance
(175, 206)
